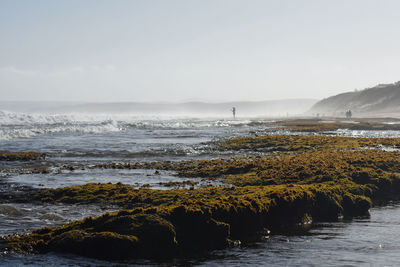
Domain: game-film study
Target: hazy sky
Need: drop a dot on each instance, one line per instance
(215, 50)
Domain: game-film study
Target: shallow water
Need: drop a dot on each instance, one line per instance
(18, 218)
(361, 242)
(135, 177)
(87, 140)
(365, 133)
(153, 142)
(129, 140)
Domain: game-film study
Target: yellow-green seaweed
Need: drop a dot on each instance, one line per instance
(266, 192)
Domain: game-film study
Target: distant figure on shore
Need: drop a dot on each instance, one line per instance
(348, 114)
(234, 112)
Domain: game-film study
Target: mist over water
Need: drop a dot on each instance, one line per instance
(193, 109)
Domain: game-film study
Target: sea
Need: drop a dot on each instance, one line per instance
(89, 139)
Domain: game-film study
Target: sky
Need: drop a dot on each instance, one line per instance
(206, 50)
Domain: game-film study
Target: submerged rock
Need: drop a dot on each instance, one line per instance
(104, 245)
(13, 156)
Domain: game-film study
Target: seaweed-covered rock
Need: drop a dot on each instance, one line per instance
(355, 205)
(156, 235)
(269, 192)
(121, 235)
(13, 156)
(104, 245)
(196, 230)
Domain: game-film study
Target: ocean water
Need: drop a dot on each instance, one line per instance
(87, 140)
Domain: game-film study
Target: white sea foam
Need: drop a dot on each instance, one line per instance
(22, 125)
(185, 123)
(25, 132)
(14, 118)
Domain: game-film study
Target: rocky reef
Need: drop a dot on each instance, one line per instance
(299, 143)
(313, 178)
(180, 222)
(323, 126)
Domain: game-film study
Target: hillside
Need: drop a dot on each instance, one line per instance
(379, 101)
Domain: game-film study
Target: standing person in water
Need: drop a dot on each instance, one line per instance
(234, 112)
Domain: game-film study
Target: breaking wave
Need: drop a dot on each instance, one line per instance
(22, 119)
(22, 125)
(8, 133)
